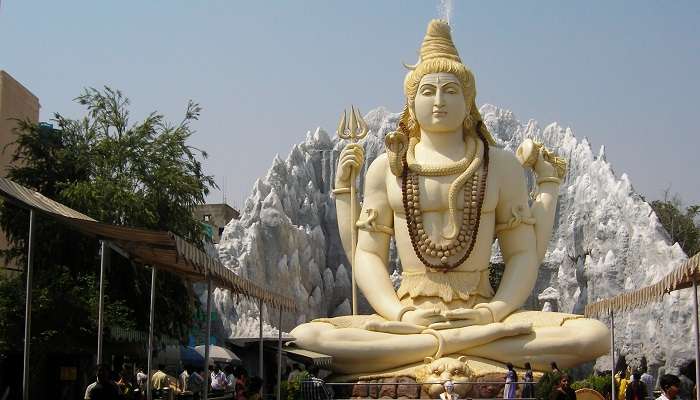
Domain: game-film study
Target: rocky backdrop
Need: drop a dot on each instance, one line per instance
(606, 240)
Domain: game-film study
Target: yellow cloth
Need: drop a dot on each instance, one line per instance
(159, 380)
(621, 387)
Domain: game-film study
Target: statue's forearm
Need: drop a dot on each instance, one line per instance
(550, 170)
(516, 284)
(521, 267)
(544, 210)
(343, 207)
(373, 279)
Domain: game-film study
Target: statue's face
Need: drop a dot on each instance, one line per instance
(439, 105)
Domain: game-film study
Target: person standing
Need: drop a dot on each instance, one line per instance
(159, 380)
(241, 383)
(511, 382)
(255, 388)
(125, 386)
(296, 370)
(529, 385)
(196, 382)
(636, 389)
(670, 387)
(287, 371)
(686, 383)
(449, 393)
(230, 378)
(563, 391)
(218, 379)
(141, 379)
(103, 388)
(184, 378)
(648, 380)
(621, 382)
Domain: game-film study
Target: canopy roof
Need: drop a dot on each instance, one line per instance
(164, 250)
(680, 278)
(317, 359)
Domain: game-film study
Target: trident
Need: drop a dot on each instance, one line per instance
(357, 130)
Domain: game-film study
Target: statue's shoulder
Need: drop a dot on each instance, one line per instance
(504, 162)
(380, 162)
(377, 171)
(379, 166)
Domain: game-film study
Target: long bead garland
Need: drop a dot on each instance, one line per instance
(423, 246)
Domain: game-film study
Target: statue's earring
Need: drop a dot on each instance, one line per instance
(413, 122)
(468, 122)
(411, 112)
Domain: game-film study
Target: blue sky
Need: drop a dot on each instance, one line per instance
(623, 74)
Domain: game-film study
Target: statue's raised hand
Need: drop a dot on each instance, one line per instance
(545, 163)
(351, 158)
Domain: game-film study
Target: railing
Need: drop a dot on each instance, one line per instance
(317, 389)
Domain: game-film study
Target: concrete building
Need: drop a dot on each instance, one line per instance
(215, 217)
(16, 102)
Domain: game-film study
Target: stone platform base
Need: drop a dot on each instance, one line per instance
(406, 387)
(473, 378)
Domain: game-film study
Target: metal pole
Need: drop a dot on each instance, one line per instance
(28, 305)
(207, 340)
(104, 259)
(261, 340)
(279, 355)
(612, 353)
(697, 336)
(150, 333)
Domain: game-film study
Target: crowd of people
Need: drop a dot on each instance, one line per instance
(640, 387)
(236, 380)
(189, 384)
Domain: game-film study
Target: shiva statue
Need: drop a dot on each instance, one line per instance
(445, 191)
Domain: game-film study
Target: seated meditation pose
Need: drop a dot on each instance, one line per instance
(444, 191)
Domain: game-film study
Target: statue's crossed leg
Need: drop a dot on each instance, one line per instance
(357, 350)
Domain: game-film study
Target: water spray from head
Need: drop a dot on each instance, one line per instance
(445, 10)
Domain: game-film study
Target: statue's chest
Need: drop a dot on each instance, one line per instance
(434, 194)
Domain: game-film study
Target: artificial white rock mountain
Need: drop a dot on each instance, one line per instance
(606, 240)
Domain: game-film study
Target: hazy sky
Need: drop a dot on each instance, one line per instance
(623, 74)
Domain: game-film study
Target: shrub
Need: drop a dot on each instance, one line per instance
(600, 384)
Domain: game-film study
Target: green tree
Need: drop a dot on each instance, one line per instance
(679, 221)
(140, 175)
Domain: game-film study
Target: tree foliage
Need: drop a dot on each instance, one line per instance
(679, 221)
(140, 175)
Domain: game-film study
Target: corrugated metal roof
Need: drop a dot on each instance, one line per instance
(27, 197)
(318, 359)
(165, 250)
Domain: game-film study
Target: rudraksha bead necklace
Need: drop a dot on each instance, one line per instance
(463, 243)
